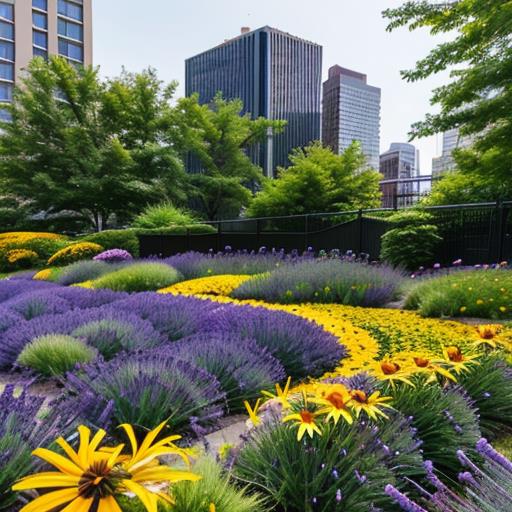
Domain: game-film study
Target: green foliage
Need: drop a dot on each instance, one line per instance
(319, 181)
(214, 487)
(478, 99)
(163, 215)
(99, 152)
(412, 240)
(55, 354)
(217, 135)
(116, 239)
(477, 293)
(490, 387)
(193, 229)
(444, 420)
(345, 461)
(139, 277)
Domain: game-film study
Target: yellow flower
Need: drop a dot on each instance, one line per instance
(93, 476)
(253, 412)
(463, 309)
(212, 508)
(480, 302)
(503, 309)
(43, 275)
(334, 400)
(369, 404)
(281, 395)
(457, 360)
(390, 371)
(305, 420)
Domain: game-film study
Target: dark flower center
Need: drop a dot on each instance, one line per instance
(307, 417)
(95, 482)
(421, 362)
(336, 399)
(359, 396)
(389, 368)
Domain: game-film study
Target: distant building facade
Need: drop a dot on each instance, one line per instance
(400, 167)
(451, 140)
(351, 111)
(30, 28)
(276, 75)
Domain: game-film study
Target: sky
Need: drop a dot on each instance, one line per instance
(163, 33)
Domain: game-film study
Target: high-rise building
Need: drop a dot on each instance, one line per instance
(351, 111)
(400, 168)
(276, 75)
(452, 139)
(30, 28)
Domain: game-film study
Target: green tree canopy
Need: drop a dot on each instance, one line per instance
(319, 181)
(218, 136)
(78, 144)
(478, 100)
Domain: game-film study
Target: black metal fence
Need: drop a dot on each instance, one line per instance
(476, 233)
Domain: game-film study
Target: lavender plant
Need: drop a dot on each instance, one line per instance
(145, 389)
(37, 303)
(242, 367)
(343, 282)
(82, 271)
(302, 347)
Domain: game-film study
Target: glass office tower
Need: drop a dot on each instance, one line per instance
(276, 75)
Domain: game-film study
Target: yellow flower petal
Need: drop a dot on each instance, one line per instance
(148, 499)
(51, 500)
(83, 449)
(164, 473)
(60, 462)
(79, 505)
(109, 504)
(45, 480)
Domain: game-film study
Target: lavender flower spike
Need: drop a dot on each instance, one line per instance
(488, 451)
(403, 501)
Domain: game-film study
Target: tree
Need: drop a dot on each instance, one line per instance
(479, 98)
(75, 144)
(218, 137)
(319, 181)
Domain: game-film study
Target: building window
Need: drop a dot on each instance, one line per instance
(71, 9)
(71, 50)
(5, 92)
(40, 20)
(40, 39)
(40, 4)
(5, 115)
(6, 30)
(6, 71)
(7, 11)
(71, 30)
(6, 50)
(39, 52)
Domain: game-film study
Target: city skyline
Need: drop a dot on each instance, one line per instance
(351, 33)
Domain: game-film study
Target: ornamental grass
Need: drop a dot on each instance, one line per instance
(485, 293)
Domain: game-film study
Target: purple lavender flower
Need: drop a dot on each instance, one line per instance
(402, 500)
(114, 256)
(484, 448)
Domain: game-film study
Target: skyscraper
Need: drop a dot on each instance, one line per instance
(276, 75)
(31, 28)
(351, 111)
(399, 166)
(451, 140)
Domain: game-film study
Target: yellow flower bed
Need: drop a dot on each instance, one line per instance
(373, 336)
(20, 237)
(75, 252)
(211, 285)
(16, 255)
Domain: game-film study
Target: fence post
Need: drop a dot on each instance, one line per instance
(360, 231)
(219, 236)
(306, 232)
(501, 226)
(258, 232)
(188, 244)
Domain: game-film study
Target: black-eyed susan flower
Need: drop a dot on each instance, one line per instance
(305, 421)
(92, 477)
(369, 404)
(390, 371)
(457, 360)
(333, 400)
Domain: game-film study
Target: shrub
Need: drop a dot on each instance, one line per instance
(10, 288)
(145, 389)
(112, 335)
(114, 256)
(445, 422)
(55, 354)
(214, 487)
(163, 215)
(327, 281)
(490, 388)
(125, 239)
(412, 241)
(241, 366)
(192, 229)
(75, 252)
(21, 258)
(82, 271)
(33, 304)
(302, 347)
(139, 277)
(47, 274)
(345, 468)
(478, 293)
